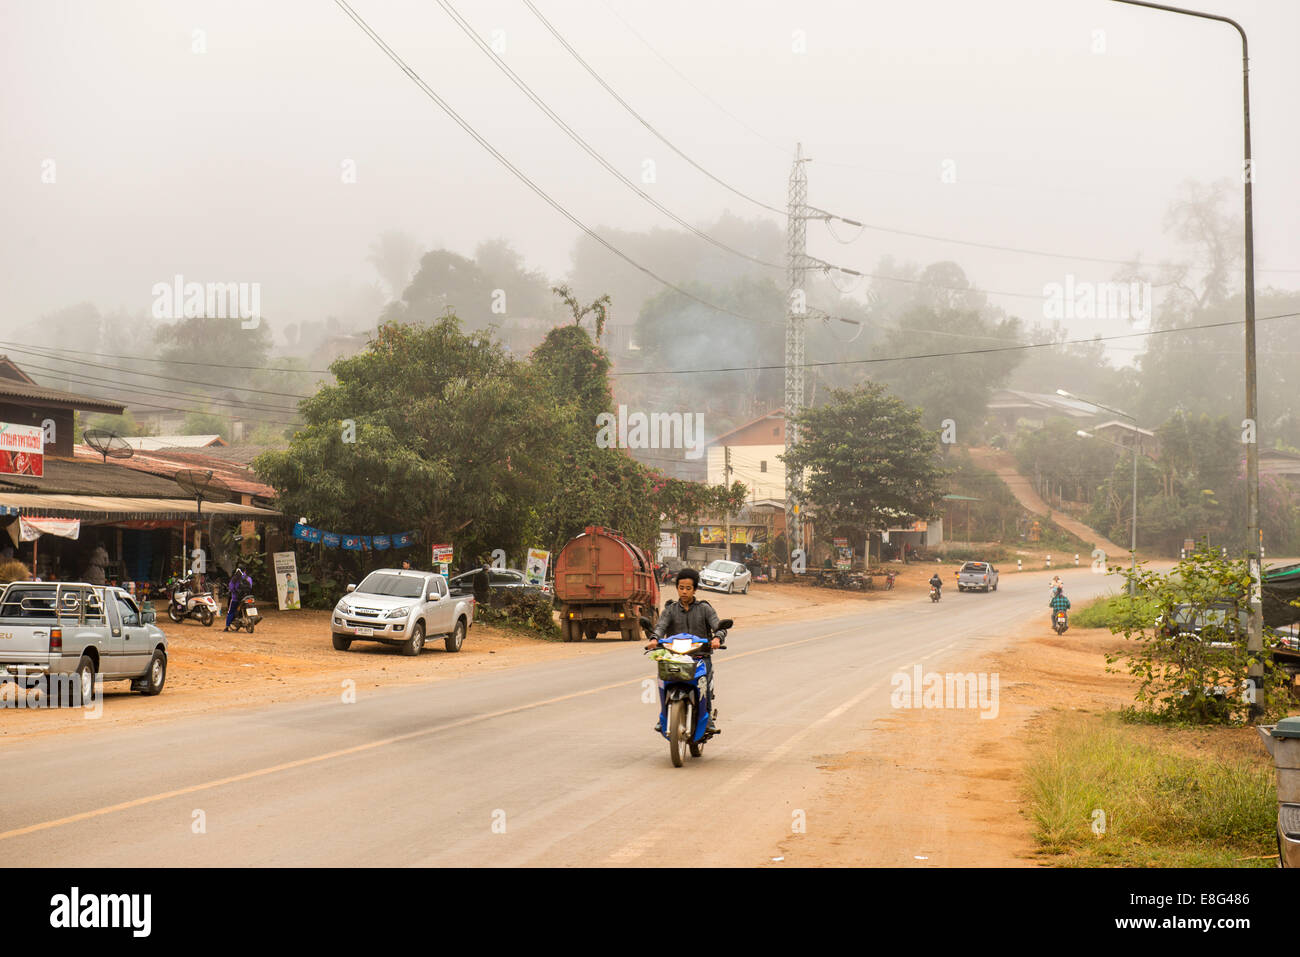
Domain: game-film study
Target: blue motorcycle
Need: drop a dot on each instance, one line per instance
(684, 706)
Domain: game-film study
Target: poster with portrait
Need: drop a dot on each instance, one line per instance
(286, 580)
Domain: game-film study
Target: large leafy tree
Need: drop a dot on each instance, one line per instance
(868, 459)
(429, 428)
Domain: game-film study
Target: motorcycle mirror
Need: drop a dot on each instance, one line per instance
(725, 624)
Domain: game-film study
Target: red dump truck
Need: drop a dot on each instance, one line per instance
(603, 583)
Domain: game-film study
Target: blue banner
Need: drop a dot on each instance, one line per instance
(356, 543)
(404, 540)
(381, 542)
(330, 539)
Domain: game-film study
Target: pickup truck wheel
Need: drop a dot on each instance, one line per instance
(85, 678)
(156, 676)
(342, 643)
(415, 644)
(457, 638)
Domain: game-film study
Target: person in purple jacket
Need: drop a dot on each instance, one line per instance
(241, 584)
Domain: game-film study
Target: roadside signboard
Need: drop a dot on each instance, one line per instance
(843, 554)
(22, 449)
(286, 580)
(442, 555)
(535, 567)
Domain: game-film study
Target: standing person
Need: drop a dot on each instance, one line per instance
(406, 564)
(240, 584)
(690, 616)
(481, 585)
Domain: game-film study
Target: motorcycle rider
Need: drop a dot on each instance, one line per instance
(688, 615)
(1059, 602)
(937, 583)
(241, 583)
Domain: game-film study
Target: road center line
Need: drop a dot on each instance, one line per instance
(358, 749)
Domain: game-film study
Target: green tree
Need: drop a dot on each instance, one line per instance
(868, 460)
(429, 428)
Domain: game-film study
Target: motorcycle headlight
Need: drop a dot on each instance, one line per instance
(399, 612)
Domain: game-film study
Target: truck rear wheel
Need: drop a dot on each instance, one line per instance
(457, 638)
(568, 632)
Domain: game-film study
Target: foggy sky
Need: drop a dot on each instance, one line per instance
(226, 165)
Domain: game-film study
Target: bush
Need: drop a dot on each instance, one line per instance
(1184, 678)
(965, 553)
(530, 611)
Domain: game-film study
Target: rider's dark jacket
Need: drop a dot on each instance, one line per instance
(699, 620)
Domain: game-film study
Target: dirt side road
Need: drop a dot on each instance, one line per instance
(954, 786)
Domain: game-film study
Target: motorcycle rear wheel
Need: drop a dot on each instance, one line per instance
(676, 730)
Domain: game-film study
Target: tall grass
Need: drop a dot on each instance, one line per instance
(1160, 806)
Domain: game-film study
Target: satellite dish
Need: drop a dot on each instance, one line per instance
(204, 486)
(108, 444)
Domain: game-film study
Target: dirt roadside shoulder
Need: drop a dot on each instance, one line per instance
(943, 787)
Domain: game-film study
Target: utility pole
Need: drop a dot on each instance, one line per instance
(726, 480)
(1250, 433)
(796, 311)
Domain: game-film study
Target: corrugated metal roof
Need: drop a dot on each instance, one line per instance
(93, 507)
(92, 477)
(36, 394)
(164, 464)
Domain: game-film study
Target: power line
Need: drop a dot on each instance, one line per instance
(519, 174)
(156, 375)
(179, 362)
(687, 80)
(967, 352)
(639, 118)
(577, 138)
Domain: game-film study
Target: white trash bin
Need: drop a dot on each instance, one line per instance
(1283, 743)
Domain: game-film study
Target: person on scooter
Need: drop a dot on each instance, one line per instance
(1059, 602)
(936, 583)
(690, 616)
(240, 584)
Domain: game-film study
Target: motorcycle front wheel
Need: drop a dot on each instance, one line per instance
(677, 733)
(206, 616)
(175, 614)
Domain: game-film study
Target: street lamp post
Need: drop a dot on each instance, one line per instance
(1133, 546)
(1254, 542)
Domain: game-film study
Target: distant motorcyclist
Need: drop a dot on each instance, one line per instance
(690, 616)
(1059, 602)
(240, 584)
(1056, 585)
(936, 583)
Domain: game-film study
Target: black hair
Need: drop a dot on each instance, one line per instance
(688, 573)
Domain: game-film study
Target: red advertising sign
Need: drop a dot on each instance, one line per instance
(22, 449)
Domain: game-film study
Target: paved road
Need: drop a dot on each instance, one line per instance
(552, 764)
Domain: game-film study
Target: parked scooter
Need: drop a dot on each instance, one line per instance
(1060, 622)
(684, 705)
(183, 602)
(245, 614)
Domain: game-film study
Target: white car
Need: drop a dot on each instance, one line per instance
(401, 607)
(723, 575)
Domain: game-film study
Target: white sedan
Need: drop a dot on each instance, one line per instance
(725, 576)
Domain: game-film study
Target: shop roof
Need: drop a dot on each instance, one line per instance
(117, 508)
(89, 477)
(165, 463)
(18, 388)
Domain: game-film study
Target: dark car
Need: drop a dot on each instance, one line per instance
(501, 581)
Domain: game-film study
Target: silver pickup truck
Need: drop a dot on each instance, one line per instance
(401, 607)
(74, 628)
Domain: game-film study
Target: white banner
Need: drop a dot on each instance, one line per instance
(286, 580)
(30, 529)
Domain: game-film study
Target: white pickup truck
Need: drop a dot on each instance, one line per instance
(75, 628)
(402, 607)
